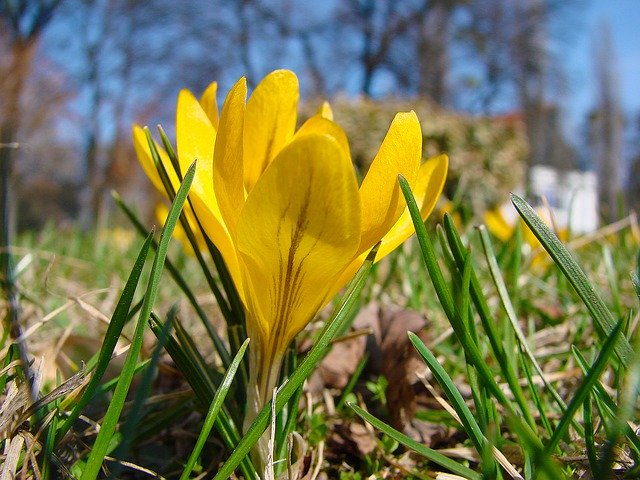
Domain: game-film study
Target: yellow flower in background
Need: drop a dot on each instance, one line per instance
(498, 225)
(284, 206)
(504, 229)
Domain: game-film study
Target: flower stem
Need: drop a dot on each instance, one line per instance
(264, 368)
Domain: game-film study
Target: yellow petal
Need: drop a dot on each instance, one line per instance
(429, 185)
(300, 227)
(382, 200)
(427, 190)
(497, 225)
(227, 158)
(209, 103)
(194, 132)
(143, 153)
(323, 125)
(269, 123)
(325, 111)
(196, 139)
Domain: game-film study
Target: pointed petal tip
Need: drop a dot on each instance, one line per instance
(326, 111)
(185, 93)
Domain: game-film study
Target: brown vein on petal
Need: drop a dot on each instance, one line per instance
(292, 278)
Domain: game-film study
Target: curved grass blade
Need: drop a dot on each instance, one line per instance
(505, 360)
(453, 394)
(604, 321)
(118, 319)
(108, 427)
(426, 452)
(501, 287)
(341, 314)
(602, 361)
(216, 404)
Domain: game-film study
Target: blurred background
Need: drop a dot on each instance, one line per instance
(528, 95)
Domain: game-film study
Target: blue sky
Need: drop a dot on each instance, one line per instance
(623, 17)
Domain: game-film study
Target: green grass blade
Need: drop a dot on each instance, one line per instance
(287, 419)
(181, 283)
(204, 392)
(504, 359)
(216, 404)
(118, 319)
(352, 381)
(50, 438)
(602, 361)
(157, 161)
(428, 254)
(108, 427)
(535, 395)
(608, 404)
(197, 379)
(512, 316)
(625, 413)
(589, 436)
(472, 351)
(604, 321)
(189, 348)
(342, 313)
(428, 453)
(451, 391)
(173, 157)
(132, 421)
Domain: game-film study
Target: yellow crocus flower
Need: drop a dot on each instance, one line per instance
(284, 207)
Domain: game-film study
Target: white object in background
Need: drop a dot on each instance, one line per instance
(572, 196)
(544, 184)
(582, 201)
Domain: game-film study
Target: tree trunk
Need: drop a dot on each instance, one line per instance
(22, 52)
(21, 56)
(433, 53)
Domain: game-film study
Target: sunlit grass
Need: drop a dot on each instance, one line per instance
(584, 420)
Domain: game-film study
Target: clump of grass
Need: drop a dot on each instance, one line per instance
(540, 376)
(552, 439)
